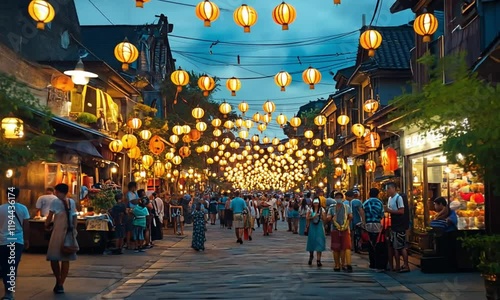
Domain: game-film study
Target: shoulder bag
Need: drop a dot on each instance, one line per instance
(70, 245)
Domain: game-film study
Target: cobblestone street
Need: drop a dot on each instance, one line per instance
(273, 267)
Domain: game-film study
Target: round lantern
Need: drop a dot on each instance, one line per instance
(233, 84)
(180, 78)
(217, 132)
(257, 117)
(358, 130)
(186, 138)
(284, 15)
(370, 106)
(134, 153)
(370, 40)
(206, 84)
(229, 124)
(281, 148)
(116, 146)
(255, 138)
(177, 160)
(370, 166)
(269, 107)
(177, 130)
(156, 145)
(243, 134)
(329, 142)
(225, 108)
(317, 142)
(238, 123)
(311, 76)
(63, 83)
(129, 141)
(308, 134)
(210, 161)
(275, 141)
(281, 120)
(343, 120)
(265, 140)
(197, 113)
(320, 120)
(205, 148)
(248, 124)
(283, 79)
(186, 129)
(126, 53)
(214, 144)
(184, 152)
(140, 3)
(216, 122)
(158, 168)
(169, 155)
(295, 122)
(42, 12)
(147, 161)
(134, 123)
(243, 107)
(245, 16)
(145, 134)
(201, 126)
(372, 140)
(12, 128)
(174, 139)
(262, 127)
(425, 25)
(207, 12)
(195, 135)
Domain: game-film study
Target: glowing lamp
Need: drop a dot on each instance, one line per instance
(245, 16)
(79, 76)
(370, 40)
(284, 15)
(311, 76)
(425, 25)
(206, 84)
(42, 12)
(12, 128)
(207, 12)
(180, 78)
(126, 53)
(233, 84)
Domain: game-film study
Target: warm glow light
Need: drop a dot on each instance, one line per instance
(206, 84)
(269, 107)
(174, 139)
(79, 76)
(284, 15)
(197, 112)
(180, 78)
(257, 117)
(281, 120)
(177, 130)
(329, 142)
(207, 11)
(358, 130)
(295, 122)
(370, 40)
(243, 107)
(320, 120)
(370, 106)
(201, 126)
(225, 108)
(42, 12)
(126, 53)
(145, 134)
(12, 128)
(129, 141)
(134, 123)
(311, 76)
(245, 16)
(233, 84)
(283, 79)
(216, 122)
(308, 134)
(134, 153)
(116, 146)
(425, 25)
(343, 120)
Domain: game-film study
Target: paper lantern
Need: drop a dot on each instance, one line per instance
(147, 161)
(184, 152)
(262, 127)
(177, 130)
(225, 108)
(134, 123)
(201, 126)
(140, 3)
(206, 84)
(308, 134)
(370, 166)
(320, 120)
(156, 145)
(343, 120)
(311, 76)
(42, 12)
(126, 53)
(269, 107)
(63, 83)
(245, 16)
(195, 135)
(174, 139)
(295, 122)
(392, 158)
(116, 146)
(186, 138)
(197, 113)
(129, 141)
(180, 78)
(233, 84)
(281, 120)
(284, 15)
(283, 79)
(207, 12)
(370, 40)
(216, 122)
(243, 107)
(329, 142)
(12, 128)
(134, 153)
(358, 130)
(425, 25)
(370, 106)
(372, 140)
(257, 117)
(158, 169)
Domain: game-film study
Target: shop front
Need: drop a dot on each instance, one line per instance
(430, 176)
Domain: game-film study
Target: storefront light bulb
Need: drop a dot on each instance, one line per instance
(143, 174)
(442, 159)
(114, 170)
(9, 173)
(447, 170)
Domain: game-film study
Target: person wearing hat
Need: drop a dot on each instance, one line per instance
(316, 232)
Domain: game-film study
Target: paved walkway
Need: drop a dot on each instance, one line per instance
(273, 267)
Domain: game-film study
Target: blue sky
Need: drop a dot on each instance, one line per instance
(324, 36)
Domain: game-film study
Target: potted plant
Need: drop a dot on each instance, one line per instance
(103, 200)
(86, 118)
(485, 248)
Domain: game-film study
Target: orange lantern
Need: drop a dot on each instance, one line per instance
(134, 123)
(116, 146)
(206, 84)
(134, 153)
(245, 16)
(392, 157)
(63, 83)
(156, 145)
(186, 138)
(311, 76)
(338, 172)
(370, 166)
(180, 78)
(425, 25)
(207, 11)
(140, 3)
(195, 135)
(372, 140)
(126, 53)
(284, 15)
(42, 12)
(370, 40)
(233, 84)
(184, 151)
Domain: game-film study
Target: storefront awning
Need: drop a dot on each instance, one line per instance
(80, 147)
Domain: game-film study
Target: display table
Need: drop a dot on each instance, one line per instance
(92, 235)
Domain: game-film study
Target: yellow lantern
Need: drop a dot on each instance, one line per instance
(320, 120)
(275, 141)
(370, 40)
(270, 149)
(147, 161)
(425, 25)
(245, 16)
(281, 120)
(257, 117)
(372, 140)
(216, 122)
(177, 130)
(201, 126)
(343, 120)
(126, 53)
(207, 11)
(177, 160)
(283, 79)
(266, 140)
(129, 141)
(134, 123)
(214, 144)
(284, 15)
(206, 83)
(12, 128)
(370, 166)
(311, 76)
(186, 129)
(174, 139)
(226, 141)
(317, 142)
(233, 84)
(225, 108)
(238, 123)
(358, 130)
(295, 122)
(248, 124)
(243, 107)
(329, 142)
(205, 148)
(42, 12)
(210, 161)
(312, 158)
(217, 132)
(262, 127)
(158, 168)
(370, 106)
(169, 155)
(308, 134)
(180, 78)
(145, 134)
(243, 134)
(116, 146)
(184, 152)
(320, 153)
(198, 113)
(281, 148)
(269, 107)
(134, 153)
(255, 138)
(140, 3)
(229, 124)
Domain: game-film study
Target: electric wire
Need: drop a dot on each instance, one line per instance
(102, 13)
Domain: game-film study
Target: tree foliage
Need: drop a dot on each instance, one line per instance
(17, 101)
(307, 118)
(464, 110)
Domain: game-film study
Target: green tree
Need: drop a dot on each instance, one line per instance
(464, 109)
(307, 118)
(17, 101)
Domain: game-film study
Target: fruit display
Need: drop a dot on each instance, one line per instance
(468, 202)
(419, 208)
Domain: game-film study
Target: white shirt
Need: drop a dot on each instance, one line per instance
(272, 203)
(43, 204)
(395, 202)
(10, 228)
(159, 208)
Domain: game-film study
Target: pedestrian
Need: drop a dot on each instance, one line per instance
(374, 213)
(357, 217)
(238, 206)
(131, 199)
(399, 224)
(119, 215)
(212, 208)
(304, 208)
(253, 212)
(340, 215)
(157, 219)
(14, 238)
(294, 216)
(308, 199)
(221, 208)
(140, 212)
(316, 232)
(228, 214)
(146, 202)
(62, 221)
(265, 215)
(177, 218)
(198, 242)
(43, 203)
(288, 213)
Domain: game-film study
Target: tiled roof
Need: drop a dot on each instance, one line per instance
(393, 53)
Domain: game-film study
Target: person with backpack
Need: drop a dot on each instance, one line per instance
(397, 206)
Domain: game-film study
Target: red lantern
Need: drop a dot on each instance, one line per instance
(195, 135)
(392, 157)
(156, 145)
(370, 166)
(184, 151)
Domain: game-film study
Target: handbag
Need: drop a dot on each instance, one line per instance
(70, 245)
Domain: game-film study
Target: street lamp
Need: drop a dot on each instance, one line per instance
(79, 76)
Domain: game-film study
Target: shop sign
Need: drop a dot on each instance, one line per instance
(418, 142)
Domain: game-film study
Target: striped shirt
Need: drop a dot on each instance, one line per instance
(374, 210)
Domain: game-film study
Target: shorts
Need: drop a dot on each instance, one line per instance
(138, 233)
(398, 239)
(340, 240)
(129, 224)
(119, 231)
(238, 221)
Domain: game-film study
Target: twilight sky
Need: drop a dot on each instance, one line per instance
(324, 36)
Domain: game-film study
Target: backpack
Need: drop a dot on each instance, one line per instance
(401, 222)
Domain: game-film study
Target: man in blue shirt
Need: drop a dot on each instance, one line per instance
(357, 218)
(238, 206)
(374, 212)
